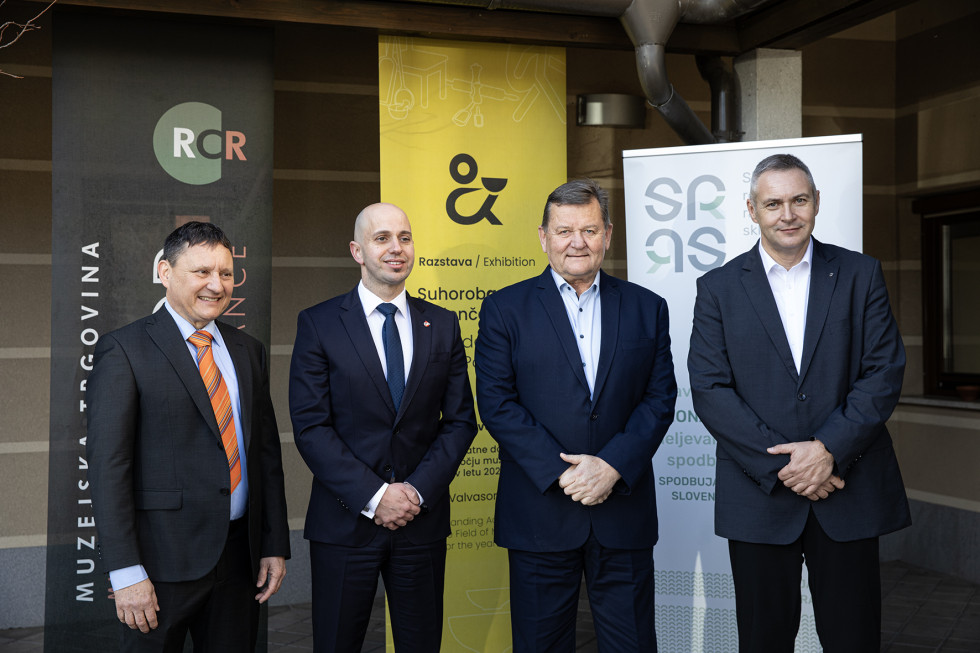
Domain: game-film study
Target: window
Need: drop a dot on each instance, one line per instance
(951, 291)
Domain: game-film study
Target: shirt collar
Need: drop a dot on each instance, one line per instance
(561, 283)
(769, 262)
(187, 329)
(370, 301)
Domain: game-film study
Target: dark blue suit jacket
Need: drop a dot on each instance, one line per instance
(346, 428)
(534, 399)
(749, 395)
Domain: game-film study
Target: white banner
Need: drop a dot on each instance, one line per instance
(685, 215)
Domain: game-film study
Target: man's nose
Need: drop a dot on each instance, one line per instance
(578, 240)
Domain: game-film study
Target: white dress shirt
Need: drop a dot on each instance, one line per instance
(791, 290)
(376, 320)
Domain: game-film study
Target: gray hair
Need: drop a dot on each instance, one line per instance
(779, 162)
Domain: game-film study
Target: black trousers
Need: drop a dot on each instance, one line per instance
(544, 589)
(845, 585)
(345, 580)
(219, 610)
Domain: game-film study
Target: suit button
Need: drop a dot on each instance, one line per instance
(387, 468)
(595, 416)
(801, 396)
(225, 491)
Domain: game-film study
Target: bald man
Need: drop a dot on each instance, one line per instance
(383, 414)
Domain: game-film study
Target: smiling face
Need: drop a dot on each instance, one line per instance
(785, 208)
(384, 248)
(576, 241)
(199, 283)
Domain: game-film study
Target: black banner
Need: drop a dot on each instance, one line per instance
(155, 122)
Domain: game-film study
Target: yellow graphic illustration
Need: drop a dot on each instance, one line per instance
(472, 141)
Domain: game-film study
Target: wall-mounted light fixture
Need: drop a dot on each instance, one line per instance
(612, 110)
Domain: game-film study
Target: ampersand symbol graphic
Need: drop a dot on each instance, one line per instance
(492, 184)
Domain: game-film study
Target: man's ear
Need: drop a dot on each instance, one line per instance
(164, 271)
(355, 251)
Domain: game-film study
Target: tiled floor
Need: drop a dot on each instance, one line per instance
(922, 611)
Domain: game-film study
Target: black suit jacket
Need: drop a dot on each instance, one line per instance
(346, 427)
(534, 399)
(158, 470)
(748, 394)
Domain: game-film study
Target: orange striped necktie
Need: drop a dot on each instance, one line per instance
(220, 402)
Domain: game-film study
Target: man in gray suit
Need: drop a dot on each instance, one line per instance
(796, 363)
(184, 462)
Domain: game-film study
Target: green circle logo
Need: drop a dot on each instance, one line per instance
(189, 143)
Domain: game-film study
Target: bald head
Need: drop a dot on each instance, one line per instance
(370, 213)
(384, 249)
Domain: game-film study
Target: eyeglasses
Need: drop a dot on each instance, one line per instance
(589, 233)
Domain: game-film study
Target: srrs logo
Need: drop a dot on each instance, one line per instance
(189, 143)
(703, 240)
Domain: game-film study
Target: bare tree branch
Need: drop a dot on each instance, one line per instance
(18, 30)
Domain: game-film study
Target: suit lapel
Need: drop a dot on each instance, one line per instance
(823, 280)
(352, 317)
(554, 307)
(609, 297)
(421, 346)
(756, 286)
(243, 372)
(164, 332)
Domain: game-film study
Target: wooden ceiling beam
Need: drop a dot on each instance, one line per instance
(434, 21)
(787, 24)
(792, 24)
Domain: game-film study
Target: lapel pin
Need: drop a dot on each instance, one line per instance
(831, 274)
(426, 323)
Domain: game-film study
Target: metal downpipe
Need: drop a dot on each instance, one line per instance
(726, 119)
(649, 24)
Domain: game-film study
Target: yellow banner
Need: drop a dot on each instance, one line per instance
(472, 142)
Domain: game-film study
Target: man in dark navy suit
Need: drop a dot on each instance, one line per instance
(575, 382)
(382, 414)
(796, 363)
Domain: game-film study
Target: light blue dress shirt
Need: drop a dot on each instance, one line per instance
(585, 315)
(121, 578)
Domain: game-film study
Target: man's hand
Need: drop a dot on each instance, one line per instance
(273, 570)
(810, 469)
(137, 606)
(398, 506)
(588, 479)
(833, 483)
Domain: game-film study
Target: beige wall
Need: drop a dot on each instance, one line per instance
(908, 81)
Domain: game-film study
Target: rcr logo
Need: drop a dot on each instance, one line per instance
(189, 143)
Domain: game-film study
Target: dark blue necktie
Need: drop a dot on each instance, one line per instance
(394, 358)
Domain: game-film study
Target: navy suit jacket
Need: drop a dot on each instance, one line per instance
(534, 400)
(346, 427)
(159, 473)
(748, 393)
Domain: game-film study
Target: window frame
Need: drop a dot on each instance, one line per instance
(936, 212)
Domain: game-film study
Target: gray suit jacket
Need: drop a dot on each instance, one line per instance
(158, 471)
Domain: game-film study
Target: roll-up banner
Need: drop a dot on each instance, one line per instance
(472, 143)
(685, 215)
(155, 123)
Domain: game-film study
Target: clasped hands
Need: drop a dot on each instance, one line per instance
(588, 479)
(810, 471)
(399, 504)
